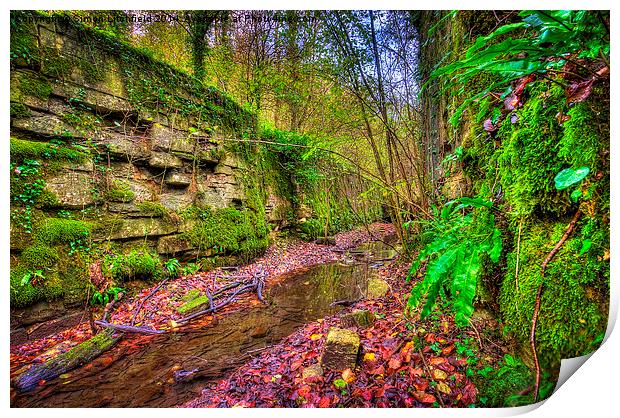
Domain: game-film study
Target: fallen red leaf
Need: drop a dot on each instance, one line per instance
(424, 397)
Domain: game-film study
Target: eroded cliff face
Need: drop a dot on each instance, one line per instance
(112, 151)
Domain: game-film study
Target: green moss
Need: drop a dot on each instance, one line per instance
(193, 305)
(75, 277)
(573, 304)
(92, 72)
(227, 230)
(22, 295)
(19, 110)
(137, 264)
(24, 46)
(48, 199)
(61, 231)
(528, 159)
(152, 208)
(40, 257)
(35, 87)
(581, 143)
(191, 295)
(120, 192)
(21, 150)
(55, 64)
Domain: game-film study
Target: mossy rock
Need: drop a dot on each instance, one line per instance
(312, 372)
(358, 318)
(191, 295)
(341, 349)
(377, 288)
(196, 304)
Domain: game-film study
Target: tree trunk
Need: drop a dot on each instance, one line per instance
(76, 357)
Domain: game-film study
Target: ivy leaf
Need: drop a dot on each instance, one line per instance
(568, 177)
(585, 246)
(26, 279)
(575, 195)
(496, 249)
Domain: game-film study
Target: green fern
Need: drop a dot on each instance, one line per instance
(454, 257)
(540, 43)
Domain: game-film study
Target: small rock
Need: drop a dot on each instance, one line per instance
(311, 372)
(177, 179)
(341, 349)
(377, 288)
(358, 318)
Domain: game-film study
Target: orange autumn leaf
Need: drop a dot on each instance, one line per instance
(348, 376)
(394, 363)
(424, 397)
(434, 361)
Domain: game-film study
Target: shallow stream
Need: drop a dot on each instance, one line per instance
(145, 378)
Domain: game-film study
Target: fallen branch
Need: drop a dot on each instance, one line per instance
(218, 306)
(78, 356)
(129, 328)
(110, 306)
(151, 293)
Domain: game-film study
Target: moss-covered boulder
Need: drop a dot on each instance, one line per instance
(341, 349)
(358, 318)
(377, 288)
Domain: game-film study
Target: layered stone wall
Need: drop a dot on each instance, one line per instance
(104, 136)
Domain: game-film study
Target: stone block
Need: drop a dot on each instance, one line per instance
(377, 288)
(341, 349)
(231, 160)
(129, 209)
(45, 125)
(312, 373)
(73, 189)
(173, 244)
(212, 198)
(177, 179)
(165, 160)
(124, 148)
(224, 169)
(173, 140)
(176, 201)
(87, 165)
(102, 102)
(140, 228)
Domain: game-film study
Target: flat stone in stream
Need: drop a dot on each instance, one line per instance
(341, 349)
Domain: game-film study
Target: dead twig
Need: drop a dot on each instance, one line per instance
(533, 341)
(543, 267)
(428, 372)
(129, 328)
(110, 306)
(555, 249)
(151, 293)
